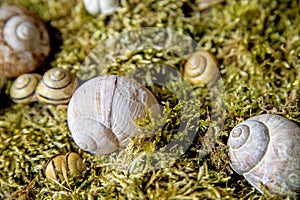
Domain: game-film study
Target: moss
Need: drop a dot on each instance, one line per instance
(257, 46)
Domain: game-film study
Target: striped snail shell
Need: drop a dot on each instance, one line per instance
(56, 86)
(23, 88)
(265, 150)
(24, 41)
(201, 68)
(102, 113)
(60, 166)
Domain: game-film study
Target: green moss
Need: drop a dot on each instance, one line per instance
(257, 47)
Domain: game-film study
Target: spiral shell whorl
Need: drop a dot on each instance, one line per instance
(201, 68)
(24, 41)
(242, 138)
(56, 87)
(23, 88)
(277, 168)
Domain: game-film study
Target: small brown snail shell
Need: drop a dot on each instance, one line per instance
(201, 68)
(24, 41)
(56, 87)
(265, 149)
(102, 112)
(60, 166)
(23, 88)
(3, 81)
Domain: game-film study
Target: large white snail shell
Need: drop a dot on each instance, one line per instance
(265, 149)
(201, 68)
(102, 112)
(24, 41)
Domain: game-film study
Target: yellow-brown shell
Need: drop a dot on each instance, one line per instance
(62, 166)
(56, 87)
(23, 88)
(24, 41)
(201, 68)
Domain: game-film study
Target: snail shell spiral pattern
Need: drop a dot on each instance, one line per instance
(102, 112)
(265, 149)
(24, 41)
(201, 68)
(56, 86)
(60, 166)
(23, 88)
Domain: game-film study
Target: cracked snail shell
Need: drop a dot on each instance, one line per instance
(56, 86)
(24, 41)
(102, 112)
(201, 68)
(265, 149)
(23, 88)
(61, 166)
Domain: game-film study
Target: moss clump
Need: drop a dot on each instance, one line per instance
(257, 46)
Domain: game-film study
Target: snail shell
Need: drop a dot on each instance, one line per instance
(23, 88)
(102, 112)
(24, 41)
(201, 68)
(60, 166)
(3, 81)
(104, 6)
(56, 86)
(265, 150)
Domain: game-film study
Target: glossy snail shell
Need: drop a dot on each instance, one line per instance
(23, 88)
(24, 41)
(201, 68)
(102, 112)
(94, 7)
(56, 86)
(60, 166)
(265, 149)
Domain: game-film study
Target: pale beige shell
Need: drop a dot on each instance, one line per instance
(94, 7)
(102, 112)
(56, 87)
(265, 149)
(23, 88)
(204, 4)
(24, 41)
(201, 68)
(62, 166)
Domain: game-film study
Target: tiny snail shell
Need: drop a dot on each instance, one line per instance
(94, 7)
(201, 68)
(204, 4)
(102, 112)
(60, 166)
(265, 150)
(24, 41)
(23, 88)
(56, 86)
